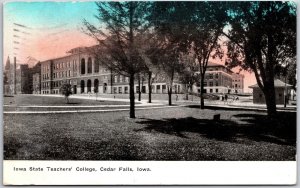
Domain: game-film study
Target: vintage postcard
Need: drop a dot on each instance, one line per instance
(149, 93)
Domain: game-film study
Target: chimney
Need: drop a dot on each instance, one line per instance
(15, 75)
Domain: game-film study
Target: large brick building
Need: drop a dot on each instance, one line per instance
(80, 69)
(218, 79)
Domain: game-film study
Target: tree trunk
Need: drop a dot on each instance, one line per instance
(202, 92)
(131, 96)
(149, 86)
(187, 92)
(170, 95)
(270, 99)
(139, 91)
(111, 82)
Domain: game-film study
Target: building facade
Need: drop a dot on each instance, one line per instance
(281, 90)
(218, 80)
(85, 74)
(238, 83)
(80, 69)
(18, 79)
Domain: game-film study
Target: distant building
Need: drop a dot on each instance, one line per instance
(238, 83)
(19, 80)
(84, 73)
(23, 82)
(218, 79)
(280, 87)
(10, 77)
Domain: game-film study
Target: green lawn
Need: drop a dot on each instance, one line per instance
(180, 133)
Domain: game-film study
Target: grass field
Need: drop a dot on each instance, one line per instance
(180, 133)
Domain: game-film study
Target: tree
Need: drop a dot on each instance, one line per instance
(66, 90)
(119, 25)
(206, 24)
(194, 27)
(261, 36)
(188, 75)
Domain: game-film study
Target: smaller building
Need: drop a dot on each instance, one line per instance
(280, 89)
(237, 83)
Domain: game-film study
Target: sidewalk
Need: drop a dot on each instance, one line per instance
(242, 105)
(93, 97)
(217, 103)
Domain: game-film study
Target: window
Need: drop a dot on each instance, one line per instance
(120, 89)
(164, 86)
(217, 76)
(125, 89)
(217, 83)
(96, 66)
(121, 78)
(158, 87)
(211, 83)
(115, 89)
(82, 66)
(89, 65)
(126, 79)
(211, 90)
(217, 90)
(204, 83)
(137, 89)
(211, 76)
(116, 79)
(143, 89)
(69, 73)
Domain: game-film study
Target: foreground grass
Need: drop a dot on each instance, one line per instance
(163, 134)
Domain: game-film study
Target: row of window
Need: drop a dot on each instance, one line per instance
(63, 65)
(211, 76)
(121, 79)
(45, 68)
(62, 74)
(211, 83)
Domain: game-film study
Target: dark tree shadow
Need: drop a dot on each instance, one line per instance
(256, 127)
(219, 108)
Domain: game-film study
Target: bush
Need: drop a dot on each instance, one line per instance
(66, 90)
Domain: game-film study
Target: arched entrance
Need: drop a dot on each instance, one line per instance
(74, 89)
(89, 86)
(104, 87)
(96, 86)
(82, 86)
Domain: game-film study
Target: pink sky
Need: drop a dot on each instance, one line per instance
(48, 36)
